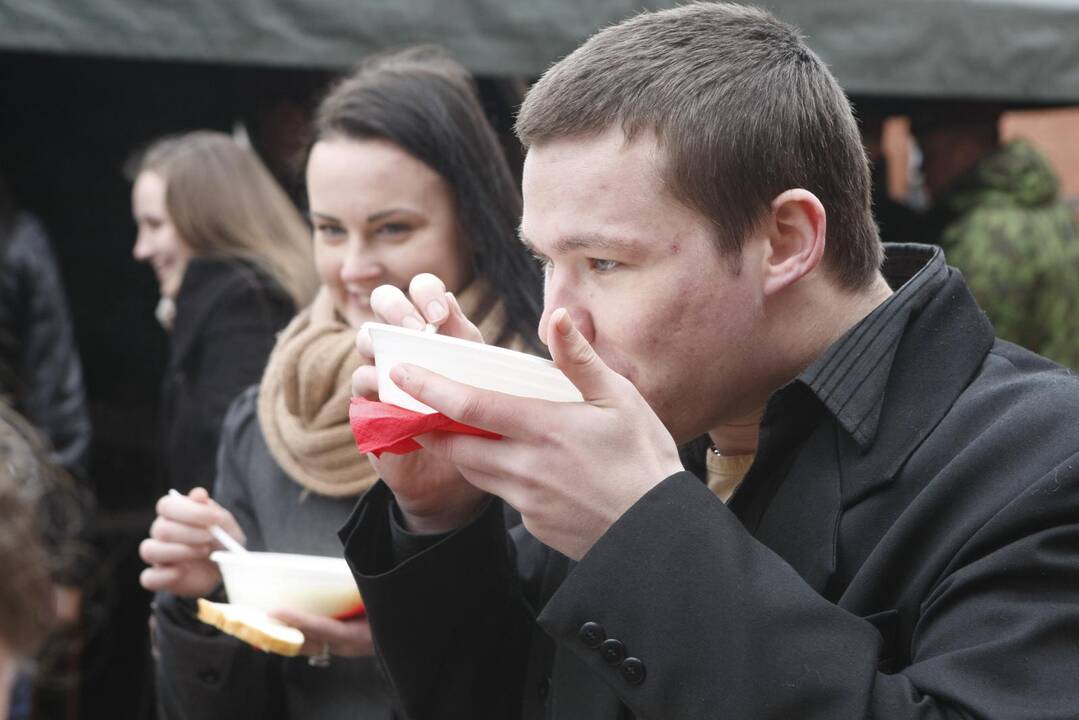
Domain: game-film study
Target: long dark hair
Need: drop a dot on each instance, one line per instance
(423, 101)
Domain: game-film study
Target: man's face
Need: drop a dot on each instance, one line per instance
(640, 274)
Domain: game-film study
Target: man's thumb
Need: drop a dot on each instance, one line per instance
(575, 357)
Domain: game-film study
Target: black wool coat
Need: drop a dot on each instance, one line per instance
(906, 545)
(227, 318)
(40, 370)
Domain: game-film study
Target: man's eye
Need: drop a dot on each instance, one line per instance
(602, 266)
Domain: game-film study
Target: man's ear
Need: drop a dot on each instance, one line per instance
(796, 234)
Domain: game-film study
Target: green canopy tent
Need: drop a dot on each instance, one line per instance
(1019, 50)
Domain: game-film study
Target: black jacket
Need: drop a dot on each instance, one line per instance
(906, 545)
(227, 318)
(40, 372)
(203, 674)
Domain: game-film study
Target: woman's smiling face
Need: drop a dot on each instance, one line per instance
(158, 243)
(380, 216)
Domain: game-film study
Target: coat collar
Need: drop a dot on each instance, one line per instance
(205, 283)
(850, 378)
(886, 383)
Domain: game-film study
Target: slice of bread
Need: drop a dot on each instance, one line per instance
(253, 626)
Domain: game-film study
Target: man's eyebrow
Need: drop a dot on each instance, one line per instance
(586, 241)
(593, 241)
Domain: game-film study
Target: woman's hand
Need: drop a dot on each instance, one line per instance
(431, 493)
(346, 638)
(178, 549)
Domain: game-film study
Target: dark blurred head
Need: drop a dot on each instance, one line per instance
(422, 103)
(953, 137)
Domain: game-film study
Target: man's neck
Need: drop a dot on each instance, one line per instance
(738, 437)
(821, 324)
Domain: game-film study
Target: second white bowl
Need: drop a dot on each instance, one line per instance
(270, 581)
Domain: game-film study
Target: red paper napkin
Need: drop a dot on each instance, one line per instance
(380, 427)
(354, 612)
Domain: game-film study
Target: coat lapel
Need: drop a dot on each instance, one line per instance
(844, 429)
(925, 384)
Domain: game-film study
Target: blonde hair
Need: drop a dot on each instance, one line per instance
(224, 203)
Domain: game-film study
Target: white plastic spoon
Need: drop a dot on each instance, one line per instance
(223, 537)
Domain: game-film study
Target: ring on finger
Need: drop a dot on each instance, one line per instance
(322, 659)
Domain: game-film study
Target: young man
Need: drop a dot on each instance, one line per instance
(904, 543)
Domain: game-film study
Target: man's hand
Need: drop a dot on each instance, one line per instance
(571, 469)
(431, 493)
(346, 638)
(178, 549)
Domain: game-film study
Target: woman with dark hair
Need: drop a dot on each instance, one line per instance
(404, 177)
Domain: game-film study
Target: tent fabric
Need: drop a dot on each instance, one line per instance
(1025, 50)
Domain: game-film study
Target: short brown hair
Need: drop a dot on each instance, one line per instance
(742, 109)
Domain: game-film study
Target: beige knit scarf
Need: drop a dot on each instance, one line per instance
(304, 396)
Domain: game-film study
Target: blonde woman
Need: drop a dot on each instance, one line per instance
(232, 258)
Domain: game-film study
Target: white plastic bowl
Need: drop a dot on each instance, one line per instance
(270, 581)
(483, 366)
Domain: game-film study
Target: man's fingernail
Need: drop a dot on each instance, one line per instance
(399, 375)
(412, 323)
(564, 324)
(436, 311)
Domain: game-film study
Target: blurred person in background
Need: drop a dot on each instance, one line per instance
(997, 212)
(41, 524)
(896, 221)
(41, 382)
(404, 177)
(233, 262)
(40, 371)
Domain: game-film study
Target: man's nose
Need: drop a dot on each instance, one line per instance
(556, 297)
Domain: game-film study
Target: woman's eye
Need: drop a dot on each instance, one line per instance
(602, 266)
(332, 232)
(394, 229)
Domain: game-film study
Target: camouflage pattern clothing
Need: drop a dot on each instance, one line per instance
(1017, 245)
